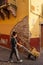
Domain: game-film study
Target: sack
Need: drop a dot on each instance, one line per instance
(35, 52)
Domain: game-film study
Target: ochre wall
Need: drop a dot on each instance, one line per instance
(7, 25)
(22, 11)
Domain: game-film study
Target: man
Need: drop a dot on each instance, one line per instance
(14, 44)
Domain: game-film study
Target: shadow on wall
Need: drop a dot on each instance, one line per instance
(7, 8)
(22, 29)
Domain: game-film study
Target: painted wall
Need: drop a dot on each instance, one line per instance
(7, 25)
(35, 9)
(22, 11)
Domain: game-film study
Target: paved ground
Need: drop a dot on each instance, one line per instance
(4, 55)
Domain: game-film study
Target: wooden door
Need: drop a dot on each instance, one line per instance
(41, 35)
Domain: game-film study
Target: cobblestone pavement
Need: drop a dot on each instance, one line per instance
(4, 55)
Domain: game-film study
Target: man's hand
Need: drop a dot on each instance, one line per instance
(19, 45)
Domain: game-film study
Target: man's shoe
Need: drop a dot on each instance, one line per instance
(11, 61)
(20, 61)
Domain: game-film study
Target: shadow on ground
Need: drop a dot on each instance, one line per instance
(4, 56)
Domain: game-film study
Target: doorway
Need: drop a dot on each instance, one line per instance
(41, 36)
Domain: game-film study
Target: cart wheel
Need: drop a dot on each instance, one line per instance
(33, 57)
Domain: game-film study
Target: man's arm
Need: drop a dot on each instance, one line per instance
(19, 44)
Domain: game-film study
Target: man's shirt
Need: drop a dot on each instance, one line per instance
(13, 42)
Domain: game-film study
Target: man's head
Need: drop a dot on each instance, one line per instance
(14, 34)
